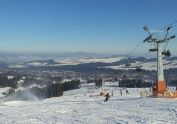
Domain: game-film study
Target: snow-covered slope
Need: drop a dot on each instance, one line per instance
(85, 106)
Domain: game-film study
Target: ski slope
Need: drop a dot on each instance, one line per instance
(85, 106)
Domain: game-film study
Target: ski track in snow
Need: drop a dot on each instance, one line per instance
(75, 107)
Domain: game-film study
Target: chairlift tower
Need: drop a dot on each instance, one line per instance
(157, 41)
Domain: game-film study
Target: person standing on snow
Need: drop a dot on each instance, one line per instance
(112, 93)
(127, 91)
(121, 92)
(107, 97)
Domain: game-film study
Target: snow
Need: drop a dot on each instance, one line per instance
(16, 66)
(4, 91)
(20, 88)
(104, 60)
(146, 65)
(149, 65)
(68, 61)
(36, 64)
(83, 107)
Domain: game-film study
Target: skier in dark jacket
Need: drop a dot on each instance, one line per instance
(107, 97)
(127, 92)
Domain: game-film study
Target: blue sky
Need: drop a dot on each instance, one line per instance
(97, 26)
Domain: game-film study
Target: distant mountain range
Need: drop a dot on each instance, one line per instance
(113, 62)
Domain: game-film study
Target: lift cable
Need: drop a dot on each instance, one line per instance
(169, 25)
(135, 48)
(128, 55)
(139, 44)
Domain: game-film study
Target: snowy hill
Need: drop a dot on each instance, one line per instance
(85, 106)
(117, 62)
(147, 64)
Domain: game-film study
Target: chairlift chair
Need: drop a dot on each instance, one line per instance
(127, 65)
(124, 76)
(138, 69)
(153, 50)
(166, 53)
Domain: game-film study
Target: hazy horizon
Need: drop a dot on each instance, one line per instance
(91, 26)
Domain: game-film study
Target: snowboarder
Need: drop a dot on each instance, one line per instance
(107, 97)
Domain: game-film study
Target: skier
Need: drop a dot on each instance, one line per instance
(112, 93)
(150, 88)
(107, 97)
(154, 88)
(146, 92)
(127, 92)
(121, 92)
